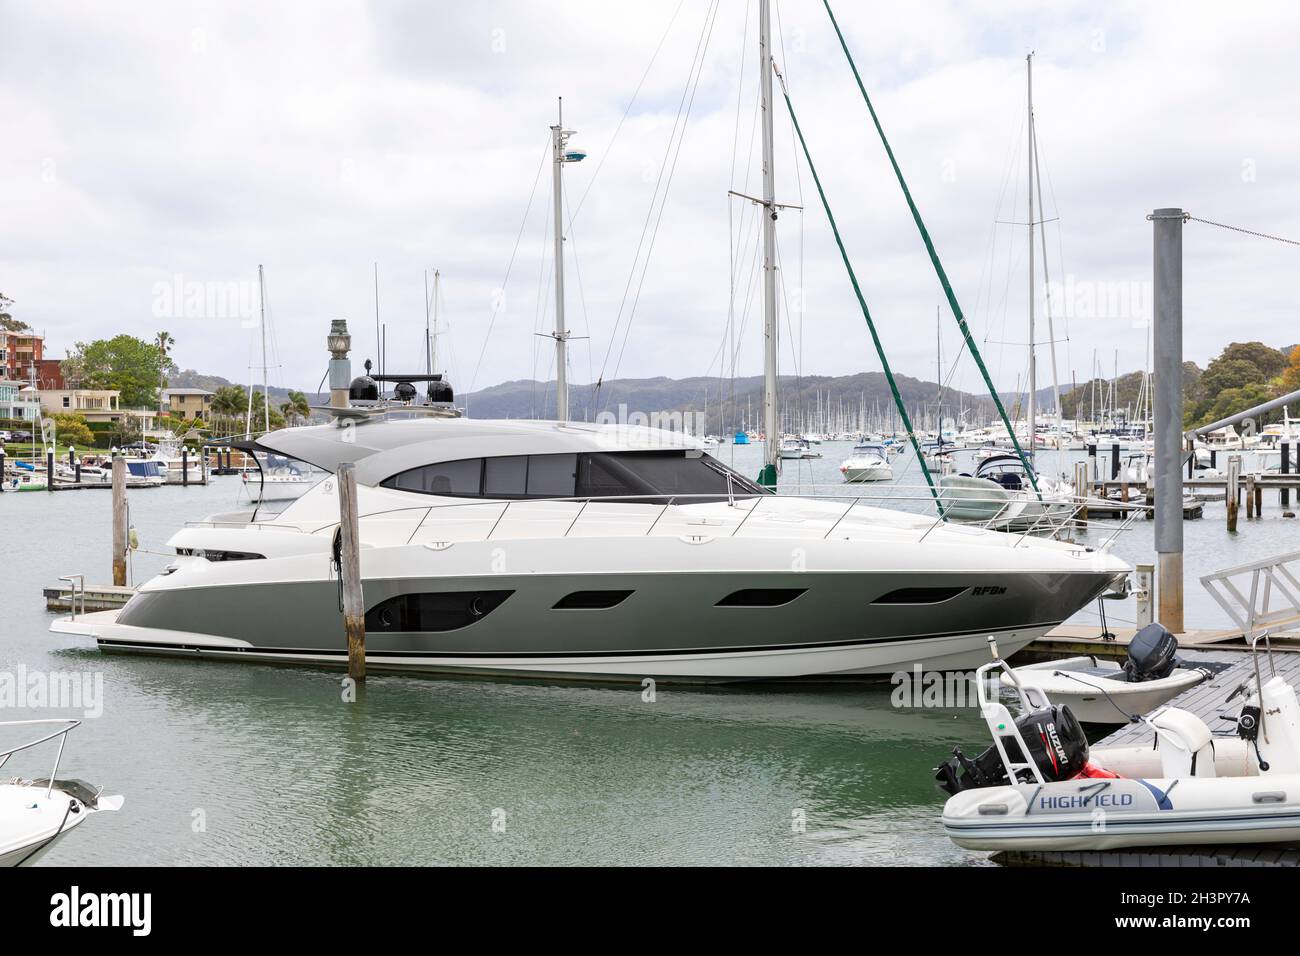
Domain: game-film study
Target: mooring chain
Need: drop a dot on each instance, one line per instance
(1188, 217)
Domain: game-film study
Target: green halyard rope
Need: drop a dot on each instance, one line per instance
(938, 266)
(866, 313)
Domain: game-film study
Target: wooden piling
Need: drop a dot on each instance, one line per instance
(1285, 493)
(1081, 492)
(119, 521)
(185, 466)
(49, 469)
(354, 607)
(2, 469)
(1250, 498)
(1259, 497)
(1230, 496)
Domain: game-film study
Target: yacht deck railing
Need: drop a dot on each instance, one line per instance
(1051, 518)
(69, 724)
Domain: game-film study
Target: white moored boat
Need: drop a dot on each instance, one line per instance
(34, 814)
(1190, 788)
(1099, 691)
(867, 463)
(615, 552)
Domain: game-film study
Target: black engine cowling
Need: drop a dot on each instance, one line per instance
(1151, 654)
(1056, 742)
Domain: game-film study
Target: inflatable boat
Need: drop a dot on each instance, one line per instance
(1040, 787)
(1106, 692)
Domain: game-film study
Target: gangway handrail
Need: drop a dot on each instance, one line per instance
(1268, 577)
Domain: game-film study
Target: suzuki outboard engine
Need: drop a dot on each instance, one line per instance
(1151, 654)
(1056, 742)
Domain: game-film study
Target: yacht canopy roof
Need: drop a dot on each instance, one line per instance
(382, 448)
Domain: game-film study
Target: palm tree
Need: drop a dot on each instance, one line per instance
(165, 342)
(297, 408)
(227, 404)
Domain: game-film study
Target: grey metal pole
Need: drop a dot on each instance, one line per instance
(1168, 377)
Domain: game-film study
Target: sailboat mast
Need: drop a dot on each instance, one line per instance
(558, 137)
(1033, 359)
(433, 335)
(266, 396)
(771, 421)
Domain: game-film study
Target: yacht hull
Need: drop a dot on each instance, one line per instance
(668, 625)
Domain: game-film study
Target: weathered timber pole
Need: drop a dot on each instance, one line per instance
(119, 521)
(354, 607)
(1284, 495)
(1231, 498)
(1168, 375)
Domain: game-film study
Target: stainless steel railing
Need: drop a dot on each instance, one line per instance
(61, 734)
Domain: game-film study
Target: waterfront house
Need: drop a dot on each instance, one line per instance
(187, 402)
(19, 401)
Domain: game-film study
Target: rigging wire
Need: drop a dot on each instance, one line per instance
(626, 112)
(497, 307)
(1248, 232)
(934, 257)
(866, 313)
(670, 167)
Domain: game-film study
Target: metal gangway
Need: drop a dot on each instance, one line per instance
(1260, 596)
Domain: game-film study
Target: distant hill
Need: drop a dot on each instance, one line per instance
(192, 379)
(730, 403)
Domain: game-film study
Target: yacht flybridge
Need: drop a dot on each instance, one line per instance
(590, 551)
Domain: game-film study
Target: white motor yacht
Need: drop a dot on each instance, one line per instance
(1000, 495)
(590, 551)
(276, 479)
(867, 463)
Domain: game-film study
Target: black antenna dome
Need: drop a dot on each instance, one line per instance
(363, 387)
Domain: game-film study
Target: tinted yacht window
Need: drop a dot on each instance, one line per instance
(505, 477)
(460, 478)
(659, 473)
(551, 476)
(638, 475)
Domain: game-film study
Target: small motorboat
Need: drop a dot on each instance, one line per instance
(35, 814)
(1040, 787)
(1099, 691)
(796, 448)
(1001, 495)
(868, 462)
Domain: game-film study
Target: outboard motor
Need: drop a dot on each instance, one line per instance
(1056, 743)
(1151, 654)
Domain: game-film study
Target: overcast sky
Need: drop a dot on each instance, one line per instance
(159, 147)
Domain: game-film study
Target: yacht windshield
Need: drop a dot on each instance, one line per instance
(636, 475)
